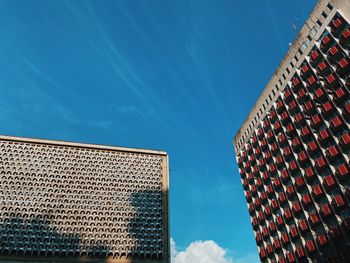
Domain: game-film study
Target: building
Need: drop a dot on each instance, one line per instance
(293, 150)
(74, 202)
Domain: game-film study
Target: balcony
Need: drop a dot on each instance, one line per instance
(312, 147)
(300, 252)
(310, 173)
(274, 204)
(290, 190)
(302, 94)
(345, 140)
(299, 181)
(315, 57)
(337, 123)
(286, 151)
(335, 53)
(345, 38)
(340, 95)
(311, 81)
(333, 152)
(343, 171)
(288, 214)
(299, 119)
(329, 181)
(303, 226)
(343, 67)
(331, 81)
(284, 175)
(277, 244)
(310, 246)
(324, 136)
(326, 42)
(322, 240)
(320, 94)
(306, 199)
(296, 83)
(290, 257)
(272, 227)
(296, 207)
(317, 191)
(293, 232)
(323, 68)
(338, 202)
(285, 238)
(326, 210)
(337, 25)
(282, 198)
(327, 108)
(309, 107)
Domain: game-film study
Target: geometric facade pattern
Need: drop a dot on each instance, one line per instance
(74, 200)
(294, 164)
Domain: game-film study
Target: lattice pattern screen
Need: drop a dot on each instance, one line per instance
(73, 201)
(295, 168)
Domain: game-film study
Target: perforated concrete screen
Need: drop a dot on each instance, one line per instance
(86, 202)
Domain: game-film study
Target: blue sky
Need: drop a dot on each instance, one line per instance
(179, 76)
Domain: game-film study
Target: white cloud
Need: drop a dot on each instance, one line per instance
(200, 252)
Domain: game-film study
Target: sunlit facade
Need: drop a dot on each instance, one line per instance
(293, 151)
(62, 201)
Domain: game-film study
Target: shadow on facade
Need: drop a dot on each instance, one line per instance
(34, 238)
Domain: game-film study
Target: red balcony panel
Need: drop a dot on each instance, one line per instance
(343, 171)
(321, 163)
(339, 202)
(307, 199)
(337, 24)
(333, 151)
(312, 146)
(253, 188)
(287, 94)
(322, 239)
(284, 175)
(255, 222)
(258, 237)
(296, 142)
(317, 190)
(290, 257)
(272, 226)
(310, 173)
(300, 252)
(260, 133)
(329, 181)
(296, 207)
(322, 66)
(287, 151)
(340, 94)
(310, 245)
(302, 93)
(299, 117)
(337, 122)
(265, 175)
(303, 225)
(326, 209)
(309, 106)
(327, 107)
(305, 132)
(346, 34)
(299, 181)
(293, 166)
(261, 216)
(326, 42)
(282, 197)
(270, 135)
(263, 197)
(347, 109)
(261, 162)
(272, 168)
(255, 170)
(269, 249)
(315, 55)
(259, 182)
(324, 135)
(311, 80)
(285, 238)
(333, 51)
(345, 139)
(314, 219)
(331, 80)
(274, 204)
(250, 176)
(343, 65)
(257, 151)
(279, 160)
(248, 195)
(267, 211)
(277, 244)
(320, 93)
(274, 147)
(262, 253)
(296, 82)
(251, 208)
(257, 202)
(302, 156)
(305, 69)
(294, 232)
(290, 190)
(277, 126)
(273, 115)
(288, 214)
(284, 116)
(290, 129)
(279, 220)
(265, 231)
(277, 183)
(270, 189)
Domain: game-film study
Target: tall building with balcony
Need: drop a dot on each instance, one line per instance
(293, 150)
(74, 202)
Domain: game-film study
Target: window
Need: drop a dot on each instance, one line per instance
(313, 31)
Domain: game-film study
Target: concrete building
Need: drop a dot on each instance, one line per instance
(74, 202)
(293, 148)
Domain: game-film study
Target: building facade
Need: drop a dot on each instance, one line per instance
(293, 150)
(73, 202)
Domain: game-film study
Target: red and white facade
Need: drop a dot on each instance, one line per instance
(293, 151)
